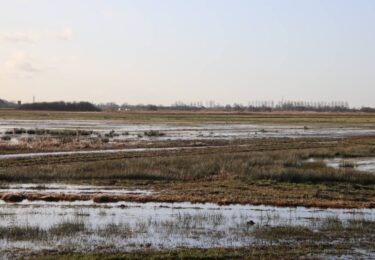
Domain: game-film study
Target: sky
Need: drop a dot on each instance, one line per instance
(162, 51)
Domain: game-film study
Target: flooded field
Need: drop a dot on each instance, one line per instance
(190, 129)
(124, 131)
(185, 186)
(81, 226)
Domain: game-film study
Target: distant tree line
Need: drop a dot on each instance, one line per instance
(368, 109)
(7, 104)
(253, 106)
(60, 106)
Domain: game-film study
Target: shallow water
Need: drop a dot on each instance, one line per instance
(68, 189)
(53, 212)
(360, 164)
(190, 132)
(159, 225)
(133, 150)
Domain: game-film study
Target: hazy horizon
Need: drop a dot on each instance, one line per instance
(164, 51)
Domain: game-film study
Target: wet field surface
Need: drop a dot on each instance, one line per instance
(68, 189)
(133, 150)
(186, 132)
(129, 226)
(116, 134)
(359, 164)
(82, 224)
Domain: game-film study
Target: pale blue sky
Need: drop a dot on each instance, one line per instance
(161, 51)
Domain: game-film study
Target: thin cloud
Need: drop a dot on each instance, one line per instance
(23, 65)
(67, 34)
(19, 37)
(32, 37)
(109, 13)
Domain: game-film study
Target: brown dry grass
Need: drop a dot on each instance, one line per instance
(268, 172)
(194, 117)
(225, 193)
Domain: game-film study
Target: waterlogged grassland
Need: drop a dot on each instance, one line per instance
(272, 172)
(330, 238)
(196, 117)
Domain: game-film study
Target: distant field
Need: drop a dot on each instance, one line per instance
(197, 117)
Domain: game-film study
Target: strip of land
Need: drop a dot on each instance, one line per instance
(271, 172)
(196, 117)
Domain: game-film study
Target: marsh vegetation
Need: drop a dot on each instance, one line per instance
(153, 226)
(58, 199)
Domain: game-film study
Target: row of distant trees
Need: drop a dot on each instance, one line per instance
(7, 104)
(60, 106)
(254, 106)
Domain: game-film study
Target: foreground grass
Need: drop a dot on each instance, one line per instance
(331, 237)
(215, 253)
(258, 252)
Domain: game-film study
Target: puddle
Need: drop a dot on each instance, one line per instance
(133, 150)
(131, 226)
(68, 189)
(359, 164)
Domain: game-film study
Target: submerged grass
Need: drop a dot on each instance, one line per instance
(36, 233)
(67, 228)
(209, 227)
(21, 233)
(331, 237)
(327, 229)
